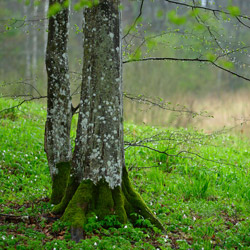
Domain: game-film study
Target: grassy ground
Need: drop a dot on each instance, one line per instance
(202, 196)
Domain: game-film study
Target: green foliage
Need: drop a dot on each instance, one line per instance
(59, 226)
(54, 9)
(203, 204)
(227, 64)
(234, 10)
(85, 3)
(176, 19)
(211, 57)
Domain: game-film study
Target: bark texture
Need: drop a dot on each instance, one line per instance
(59, 113)
(99, 143)
(99, 181)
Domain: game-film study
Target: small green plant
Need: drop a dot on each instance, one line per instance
(203, 204)
(141, 221)
(59, 226)
(110, 221)
(92, 224)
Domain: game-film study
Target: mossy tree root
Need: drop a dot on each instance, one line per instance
(98, 199)
(135, 204)
(81, 201)
(72, 186)
(92, 199)
(59, 182)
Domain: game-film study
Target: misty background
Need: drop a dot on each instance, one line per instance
(163, 29)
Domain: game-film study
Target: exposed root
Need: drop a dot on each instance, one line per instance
(68, 194)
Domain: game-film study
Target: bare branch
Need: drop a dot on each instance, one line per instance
(157, 102)
(180, 153)
(206, 8)
(137, 18)
(186, 60)
(22, 102)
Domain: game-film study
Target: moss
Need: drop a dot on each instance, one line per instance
(77, 208)
(104, 203)
(70, 191)
(60, 182)
(119, 201)
(135, 204)
(101, 200)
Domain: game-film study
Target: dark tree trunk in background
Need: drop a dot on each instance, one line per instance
(59, 110)
(45, 37)
(27, 48)
(34, 49)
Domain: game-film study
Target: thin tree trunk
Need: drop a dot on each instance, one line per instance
(34, 50)
(27, 47)
(45, 36)
(59, 109)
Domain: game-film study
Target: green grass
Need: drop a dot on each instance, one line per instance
(202, 197)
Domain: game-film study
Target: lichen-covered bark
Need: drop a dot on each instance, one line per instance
(99, 141)
(99, 181)
(59, 113)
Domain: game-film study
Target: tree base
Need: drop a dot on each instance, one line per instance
(59, 182)
(101, 200)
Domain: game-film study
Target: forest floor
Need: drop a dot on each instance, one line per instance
(197, 184)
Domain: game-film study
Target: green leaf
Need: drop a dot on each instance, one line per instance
(174, 18)
(136, 56)
(160, 13)
(66, 3)
(227, 64)
(199, 26)
(37, 2)
(234, 10)
(54, 9)
(85, 3)
(211, 57)
(151, 44)
(194, 12)
(121, 7)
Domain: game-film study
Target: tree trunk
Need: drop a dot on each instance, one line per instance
(99, 181)
(59, 110)
(34, 51)
(45, 37)
(27, 49)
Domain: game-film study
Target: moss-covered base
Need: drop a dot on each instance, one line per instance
(81, 201)
(59, 182)
(68, 194)
(98, 199)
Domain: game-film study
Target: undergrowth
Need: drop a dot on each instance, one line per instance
(198, 186)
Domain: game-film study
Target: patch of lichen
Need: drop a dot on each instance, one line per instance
(59, 182)
(80, 204)
(70, 191)
(135, 204)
